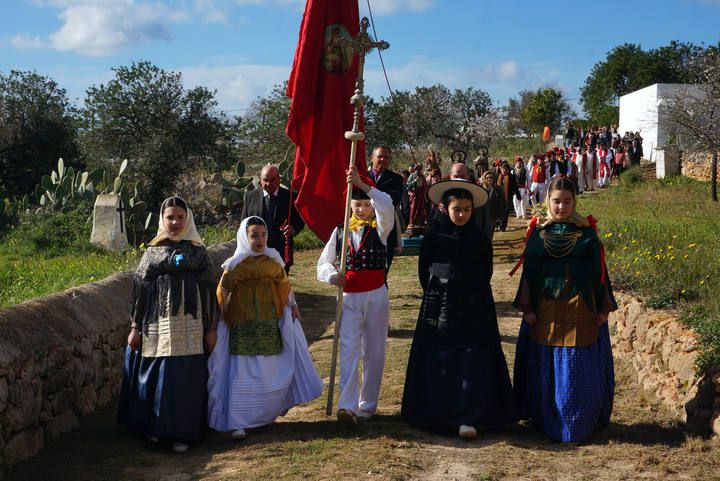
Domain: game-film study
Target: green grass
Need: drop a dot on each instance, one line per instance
(49, 253)
(307, 239)
(23, 278)
(217, 234)
(662, 244)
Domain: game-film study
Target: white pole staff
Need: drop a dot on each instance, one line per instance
(362, 45)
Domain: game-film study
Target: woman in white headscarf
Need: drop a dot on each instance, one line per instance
(174, 309)
(261, 366)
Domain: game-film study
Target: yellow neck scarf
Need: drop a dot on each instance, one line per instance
(357, 224)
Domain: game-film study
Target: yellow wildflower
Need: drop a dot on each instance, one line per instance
(690, 246)
(608, 235)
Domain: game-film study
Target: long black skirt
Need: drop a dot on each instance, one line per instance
(164, 397)
(448, 387)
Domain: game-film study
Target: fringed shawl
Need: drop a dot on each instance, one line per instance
(165, 272)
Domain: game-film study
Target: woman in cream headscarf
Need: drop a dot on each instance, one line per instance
(261, 365)
(173, 309)
(564, 380)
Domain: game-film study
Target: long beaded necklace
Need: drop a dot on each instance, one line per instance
(559, 244)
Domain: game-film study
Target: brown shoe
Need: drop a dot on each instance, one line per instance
(347, 417)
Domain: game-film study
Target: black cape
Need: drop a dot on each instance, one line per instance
(457, 372)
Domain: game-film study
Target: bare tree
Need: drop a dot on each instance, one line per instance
(695, 110)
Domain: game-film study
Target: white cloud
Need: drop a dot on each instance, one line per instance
(236, 85)
(100, 30)
(101, 27)
(422, 71)
(508, 71)
(24, 41)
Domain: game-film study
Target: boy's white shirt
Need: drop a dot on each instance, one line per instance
(385, 216)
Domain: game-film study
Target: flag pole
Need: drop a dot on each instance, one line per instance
(363, 44)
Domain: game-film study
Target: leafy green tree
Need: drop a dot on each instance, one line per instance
(384, 123)
(532, 111)
(36, 128)
(628, 68)
(145, 115)
(260, 134)
(515, 122)
(546, 108)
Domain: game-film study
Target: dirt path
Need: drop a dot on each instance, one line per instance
(642, 442)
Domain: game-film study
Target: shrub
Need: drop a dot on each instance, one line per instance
(217, 234)
(307, 239)
(631, 177)
(50, 234)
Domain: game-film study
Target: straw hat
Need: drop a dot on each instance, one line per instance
(437, 191)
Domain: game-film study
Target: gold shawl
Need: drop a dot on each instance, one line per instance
(258, 289)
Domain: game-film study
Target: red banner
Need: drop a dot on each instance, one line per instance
(320, 85)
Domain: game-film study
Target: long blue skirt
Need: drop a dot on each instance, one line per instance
(566, 392)
(164, 397)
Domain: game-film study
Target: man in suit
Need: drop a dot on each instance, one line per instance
(272, 203)
(392, 184)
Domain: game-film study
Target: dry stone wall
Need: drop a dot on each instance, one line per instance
(696, 165)
(61, 358)
(663, 353)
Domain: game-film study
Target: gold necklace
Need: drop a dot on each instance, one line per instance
(559, 244)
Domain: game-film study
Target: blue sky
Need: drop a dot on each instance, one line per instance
(241, 48)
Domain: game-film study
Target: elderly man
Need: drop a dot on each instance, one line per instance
(392, 184)
(482, 215)
(272, 203)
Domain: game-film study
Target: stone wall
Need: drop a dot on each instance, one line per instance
(663, 353)
(60, 358)
(696, 165)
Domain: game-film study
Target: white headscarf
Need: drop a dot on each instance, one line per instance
(243, 249)
(190, 233)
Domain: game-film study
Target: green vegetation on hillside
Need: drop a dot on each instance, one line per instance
(662, 244)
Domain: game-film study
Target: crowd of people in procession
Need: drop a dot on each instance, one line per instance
(230, 353)
(591, 159)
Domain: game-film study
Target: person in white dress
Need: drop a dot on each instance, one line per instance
(261, 366)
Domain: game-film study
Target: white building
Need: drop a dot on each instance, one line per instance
(642, 111)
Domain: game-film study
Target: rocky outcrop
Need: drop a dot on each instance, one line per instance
(663, 353)
(61, 358)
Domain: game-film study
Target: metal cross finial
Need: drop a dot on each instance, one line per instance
(363, 44)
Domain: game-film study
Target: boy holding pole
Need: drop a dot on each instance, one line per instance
(365, 306)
